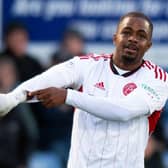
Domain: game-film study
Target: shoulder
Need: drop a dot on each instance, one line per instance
(155, 72)
(32, 59)
(95, 57)
(90, 61)
(154, 81)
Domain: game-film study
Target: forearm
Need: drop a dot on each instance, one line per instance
(107, 109)
(61, 76)
(20, 94)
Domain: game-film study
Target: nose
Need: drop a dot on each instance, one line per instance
(133, 38)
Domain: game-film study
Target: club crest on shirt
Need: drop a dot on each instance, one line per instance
(128, 88)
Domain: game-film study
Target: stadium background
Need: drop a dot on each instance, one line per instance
(47, 20)
(96, 19)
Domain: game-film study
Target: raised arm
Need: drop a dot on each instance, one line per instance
(139, 102)
(62, 76)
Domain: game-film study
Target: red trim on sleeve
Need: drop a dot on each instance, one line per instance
(160, 72)
(164, 76)
(153, 119)
(83, 57)
(156, 73)
(95, 57)
(147, 65)
(80, 89)
(150, 64)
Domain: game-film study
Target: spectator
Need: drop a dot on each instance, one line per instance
(16, 39)
(18, 131)
(72, 45)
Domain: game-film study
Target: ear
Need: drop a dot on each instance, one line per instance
(114, 39)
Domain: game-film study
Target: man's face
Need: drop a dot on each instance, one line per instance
(132, 39)
(74, 45)
(17, 41)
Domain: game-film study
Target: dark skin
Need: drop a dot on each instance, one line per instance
(132, 40)
(50, 97)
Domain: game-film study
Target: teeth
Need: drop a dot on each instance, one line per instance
(132, 47)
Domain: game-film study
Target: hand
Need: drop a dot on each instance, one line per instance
(4, 105)
(11, 100)
(50, 97)
(7, 103)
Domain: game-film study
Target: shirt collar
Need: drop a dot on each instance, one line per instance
(126, 74)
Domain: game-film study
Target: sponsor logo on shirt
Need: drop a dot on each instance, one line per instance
(100, 85)
(128, 88)
(150, 91)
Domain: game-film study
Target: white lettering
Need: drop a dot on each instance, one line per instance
(105, 8)
(87, 28)
(152, 8)
(46, 9)
(20, 8)
(27, 8)
(58, 9)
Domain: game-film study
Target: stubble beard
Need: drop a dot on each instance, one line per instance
(128, 59)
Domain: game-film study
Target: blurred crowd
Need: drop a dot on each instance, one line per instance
(32, 136)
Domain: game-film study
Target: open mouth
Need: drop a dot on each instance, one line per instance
(132, 48)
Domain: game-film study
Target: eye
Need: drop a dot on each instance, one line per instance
(142, 36)
(126, 32)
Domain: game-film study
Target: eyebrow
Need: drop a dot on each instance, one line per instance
(141, 30)
(127, 28)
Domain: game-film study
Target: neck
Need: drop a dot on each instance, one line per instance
(125, 65)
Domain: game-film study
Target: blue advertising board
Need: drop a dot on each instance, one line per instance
(96, 19)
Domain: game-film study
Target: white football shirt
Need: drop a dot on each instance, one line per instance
(105, 135)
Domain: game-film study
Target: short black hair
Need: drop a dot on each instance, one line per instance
(140, 15)
(14, 26)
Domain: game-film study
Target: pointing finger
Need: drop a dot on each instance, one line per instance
(37, 92)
